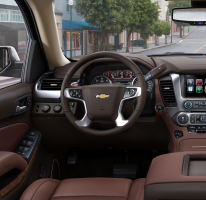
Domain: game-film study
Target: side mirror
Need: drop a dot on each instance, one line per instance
(8, 55)
(192, 16)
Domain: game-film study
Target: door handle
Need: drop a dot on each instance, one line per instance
(18, 108)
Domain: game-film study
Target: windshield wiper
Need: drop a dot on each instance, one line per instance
(176, 53)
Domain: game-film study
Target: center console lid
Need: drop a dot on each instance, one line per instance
(177, 176)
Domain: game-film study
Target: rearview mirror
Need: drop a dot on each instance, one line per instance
(193, 16)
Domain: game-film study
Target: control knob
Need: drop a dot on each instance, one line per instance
(183, 118)
(188, 104)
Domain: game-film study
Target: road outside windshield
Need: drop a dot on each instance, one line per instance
(124, 26)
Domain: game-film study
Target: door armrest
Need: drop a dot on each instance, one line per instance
(9, 161)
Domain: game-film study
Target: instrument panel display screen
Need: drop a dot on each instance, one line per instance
(195, 85)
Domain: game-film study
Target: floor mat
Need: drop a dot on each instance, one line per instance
(100, 163)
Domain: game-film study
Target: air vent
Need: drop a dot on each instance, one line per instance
(167, 91)
(51, 84)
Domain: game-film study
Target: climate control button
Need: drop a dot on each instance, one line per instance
(203, 118)
(183, 119)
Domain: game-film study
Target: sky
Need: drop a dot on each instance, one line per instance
(8, 2)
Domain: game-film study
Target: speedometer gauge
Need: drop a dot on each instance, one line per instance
(100, 79)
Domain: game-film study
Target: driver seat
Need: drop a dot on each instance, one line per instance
(85, 189)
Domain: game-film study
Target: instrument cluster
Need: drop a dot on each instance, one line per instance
(118, 74)
(126, 77)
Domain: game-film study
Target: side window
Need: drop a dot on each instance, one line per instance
(13, 43)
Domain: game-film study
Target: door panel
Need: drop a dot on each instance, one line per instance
(11, 135)
(9, 95)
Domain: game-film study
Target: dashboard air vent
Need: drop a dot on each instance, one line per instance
(51, 84)
(167, 91)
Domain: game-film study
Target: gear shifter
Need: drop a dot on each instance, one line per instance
(155, 72)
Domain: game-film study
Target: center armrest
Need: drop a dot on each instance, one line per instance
(9, 161)
(180, 175)
(168, 168)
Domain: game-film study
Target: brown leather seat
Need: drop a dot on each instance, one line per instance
(85, 189)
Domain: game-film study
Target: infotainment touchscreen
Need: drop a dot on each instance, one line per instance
(195, 85)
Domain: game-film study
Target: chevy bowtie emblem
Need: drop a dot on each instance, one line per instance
(102, 96)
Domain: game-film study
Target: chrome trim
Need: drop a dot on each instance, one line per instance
(120, 121)
(85, 121)
(45, 95)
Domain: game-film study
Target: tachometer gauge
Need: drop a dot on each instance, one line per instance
(127, 74)
(117, 74)
(100, 79)
(108, 74)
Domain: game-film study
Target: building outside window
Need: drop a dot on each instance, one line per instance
(4, 15)
(15, 16)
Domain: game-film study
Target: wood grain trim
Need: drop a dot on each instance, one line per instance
(14, 184)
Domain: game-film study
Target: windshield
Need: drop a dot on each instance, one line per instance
(125, 26)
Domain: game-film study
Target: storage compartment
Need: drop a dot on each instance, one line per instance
(194, 165)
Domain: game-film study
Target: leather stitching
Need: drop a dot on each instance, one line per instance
(40, 186)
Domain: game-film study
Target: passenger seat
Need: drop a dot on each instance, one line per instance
(86, 189)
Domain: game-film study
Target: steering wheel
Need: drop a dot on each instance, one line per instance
(103, 101)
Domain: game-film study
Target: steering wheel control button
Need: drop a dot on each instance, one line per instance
(159, 107)
(188, 104)
(130, 92)
(183, 119)
(178, 134)
(46, 108)
(75, 93)
(57, 108)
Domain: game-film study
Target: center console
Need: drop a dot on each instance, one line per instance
(177, 176)
(189, 107)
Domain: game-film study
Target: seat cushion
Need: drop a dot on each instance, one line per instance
(85, 189)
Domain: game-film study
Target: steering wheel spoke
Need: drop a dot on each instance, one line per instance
(76, 94)
(130, 93)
